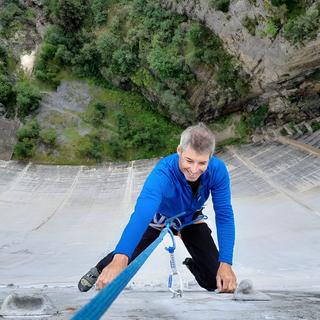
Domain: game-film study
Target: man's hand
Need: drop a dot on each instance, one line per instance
(119, 262)
(226, 279)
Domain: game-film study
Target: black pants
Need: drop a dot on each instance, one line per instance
(199, 243)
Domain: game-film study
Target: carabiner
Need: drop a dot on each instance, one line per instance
(175, 292)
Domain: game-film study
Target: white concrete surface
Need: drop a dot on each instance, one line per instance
(57, 221)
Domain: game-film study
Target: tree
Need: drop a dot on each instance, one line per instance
(71, 14)
(24, 149)
(222, 5)
(303, 27)
(88, 61)
(29, 131)
(5, 90)
(27, 139)
(99, 10)
(107, 43)
(165, 63)
(28, 98)
(124, 61)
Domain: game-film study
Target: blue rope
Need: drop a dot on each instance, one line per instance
(101, 302)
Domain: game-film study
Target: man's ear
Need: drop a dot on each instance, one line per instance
(179, 150)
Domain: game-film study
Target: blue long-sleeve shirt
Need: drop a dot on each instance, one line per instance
(166, 191)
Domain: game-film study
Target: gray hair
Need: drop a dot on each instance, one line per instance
(199, 138)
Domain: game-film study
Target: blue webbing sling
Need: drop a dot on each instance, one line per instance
(102, 301)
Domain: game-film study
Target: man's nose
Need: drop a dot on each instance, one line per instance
(194, 168)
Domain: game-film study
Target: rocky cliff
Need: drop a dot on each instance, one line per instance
(279, 71)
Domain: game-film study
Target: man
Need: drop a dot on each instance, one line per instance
(181, 182)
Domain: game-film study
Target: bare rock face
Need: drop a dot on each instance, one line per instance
(8, 130)
(273, 64)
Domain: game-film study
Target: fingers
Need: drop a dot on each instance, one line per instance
(101, 282)
(219, 283)
(226, 284)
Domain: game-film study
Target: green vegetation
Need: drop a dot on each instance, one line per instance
(206, 48)
(250, 24)
(27, 139)
(300, 20)
(271, 28)
(135, 45)
(138, 44)
(257, 117)
(117, 125)
(5, 90)
(27, 98)
(7, 95)
(315, 126)
(303, 27)
(238, 128)
(14, 15)
(222, 5)
(48, 137)
(126, 127)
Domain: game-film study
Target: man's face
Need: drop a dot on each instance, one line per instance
(192, 164)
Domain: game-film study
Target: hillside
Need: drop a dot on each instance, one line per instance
(118, 80)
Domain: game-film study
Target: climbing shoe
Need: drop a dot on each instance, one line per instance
(187, 262)
(88, 280)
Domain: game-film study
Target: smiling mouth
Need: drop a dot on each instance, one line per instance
(192, 175)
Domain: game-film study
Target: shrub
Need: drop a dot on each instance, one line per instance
(242, 128)
(27, 139)
(196, 34)
(228, 77)
(257, 118)
(88, 61)
(97, 113)
(107, 43)
(302, 27)
(28, 98)
(222, 5)
(55, 35)
(90, 147)
(165, 63)
(29, 131)
(47, 51)
(124, 61)
(8, 13)
(70, 14)
(250, 24)
(178, 109)
(99, 10)
(142, 133)
(24, 149)
(62, 56)
(6, 92)
(315, 126)
(48, 136)
(271, 28)
(3, 60)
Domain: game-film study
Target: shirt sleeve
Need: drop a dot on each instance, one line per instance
(224, 217)
(146, 206)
